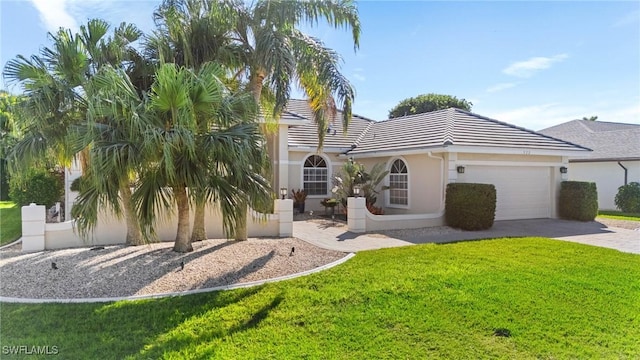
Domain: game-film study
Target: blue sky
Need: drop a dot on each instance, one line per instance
(533, 64)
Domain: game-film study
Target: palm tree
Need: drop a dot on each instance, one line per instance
(224, 163)
(114, 124)
(261, 44)
(56, 99)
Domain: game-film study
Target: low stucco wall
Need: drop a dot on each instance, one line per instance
(112, 231)
(397, 222)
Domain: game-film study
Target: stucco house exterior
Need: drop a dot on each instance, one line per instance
(424, 153)
(615, 160)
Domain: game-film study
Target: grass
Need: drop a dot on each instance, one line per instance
(619, 215)
(555, 299)
(10, 222)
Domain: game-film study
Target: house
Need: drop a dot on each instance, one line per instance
(424, 153)
(615, 160)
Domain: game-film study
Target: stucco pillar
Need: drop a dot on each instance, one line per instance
(283, 157)
(284, 209)
(356, 214)
(452, 163)
(33, 222)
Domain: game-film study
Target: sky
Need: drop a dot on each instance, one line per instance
(532, 64)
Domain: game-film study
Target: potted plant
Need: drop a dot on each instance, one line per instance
(329, 204)
(299, 196)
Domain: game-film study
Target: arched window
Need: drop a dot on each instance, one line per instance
(398, 183)
(315, 177)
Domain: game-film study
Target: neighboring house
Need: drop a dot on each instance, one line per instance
(615, 160)
(424, 153)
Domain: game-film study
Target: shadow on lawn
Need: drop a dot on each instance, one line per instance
(203, 328)
(139, 329)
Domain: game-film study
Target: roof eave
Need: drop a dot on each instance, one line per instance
(604, 159)
(314, 148)
(578, 152)
(381, 153)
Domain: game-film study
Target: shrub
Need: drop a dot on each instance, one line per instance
(470, 206)
(628, 198)
(578, 200)
(36, 186)
(76, 184)
(4, 181)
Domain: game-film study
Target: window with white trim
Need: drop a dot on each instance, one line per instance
(398, 183)
(315, 177)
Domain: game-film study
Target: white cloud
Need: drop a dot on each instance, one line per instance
(500, 87)
(358, 74)
(537, 117)
(628, 19)
(527, 68)
(72, 13)
(55, 14)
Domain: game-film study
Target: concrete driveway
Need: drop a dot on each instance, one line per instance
(334, 235)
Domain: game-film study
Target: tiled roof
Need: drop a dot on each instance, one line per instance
(452, 127)
(307, 135)
(609, 141)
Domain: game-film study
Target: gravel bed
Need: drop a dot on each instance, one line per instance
(151, 269)
(623, 224)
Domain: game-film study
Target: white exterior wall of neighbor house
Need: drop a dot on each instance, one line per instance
(607, 175)
(527, 186)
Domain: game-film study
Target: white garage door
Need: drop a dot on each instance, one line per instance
(522, 192)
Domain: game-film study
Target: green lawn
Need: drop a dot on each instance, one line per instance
(10, 222)
(619, 215)
(558, 300)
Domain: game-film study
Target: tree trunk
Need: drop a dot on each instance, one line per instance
(183, 241)
(241, 232)
(134, 234)
(255, 83)
(199, 233)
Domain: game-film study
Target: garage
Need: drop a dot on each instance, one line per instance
(523, 192)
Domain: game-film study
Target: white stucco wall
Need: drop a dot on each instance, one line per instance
(608, 176)
(111, 231)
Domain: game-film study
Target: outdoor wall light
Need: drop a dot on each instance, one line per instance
(563, 169)
(283, 192)
(356, 190)
(460, 169)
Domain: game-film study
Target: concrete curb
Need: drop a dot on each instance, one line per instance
(11, 244)
(181, 293)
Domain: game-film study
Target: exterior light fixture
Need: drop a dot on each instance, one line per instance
(356, 190)
(460, 169)
(563, 169)
(283, 192)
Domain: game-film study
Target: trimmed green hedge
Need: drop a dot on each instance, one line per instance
(470, 206)
(37, 186)
(628, 198)
(578, 200)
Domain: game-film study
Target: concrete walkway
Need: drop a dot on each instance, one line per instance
(333, 235)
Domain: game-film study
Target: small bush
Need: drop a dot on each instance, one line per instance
(628, 198)
(4, 181)
(578, 200)
(470, 206)
(36, 186)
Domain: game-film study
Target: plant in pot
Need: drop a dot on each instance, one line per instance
(329, 205)
(299, 196)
